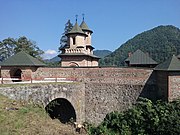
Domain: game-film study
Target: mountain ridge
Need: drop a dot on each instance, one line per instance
(160, 42)
(102, 53)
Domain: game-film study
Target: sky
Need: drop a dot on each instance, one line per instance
(113, 21)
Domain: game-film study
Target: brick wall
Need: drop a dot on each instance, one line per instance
(114, 89)
(162, 83)
(120, 75)
(107, 89)
(174, 86)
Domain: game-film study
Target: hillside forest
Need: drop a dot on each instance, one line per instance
(160, 43)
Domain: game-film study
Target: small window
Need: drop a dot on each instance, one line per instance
(74, 40)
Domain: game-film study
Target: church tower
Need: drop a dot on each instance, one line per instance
(79, 52)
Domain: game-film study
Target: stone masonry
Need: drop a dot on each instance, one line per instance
(98, 91)
(45, 93)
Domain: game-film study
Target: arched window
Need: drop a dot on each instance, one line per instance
(73, 64)
(74, 40)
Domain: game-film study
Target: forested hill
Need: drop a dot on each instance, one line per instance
(102, 53)
(160, 42)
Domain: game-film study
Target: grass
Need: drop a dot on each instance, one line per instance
(28, 119)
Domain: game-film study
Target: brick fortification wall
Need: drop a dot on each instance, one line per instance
(110, 75)
(174, 86)
(107, 89)
(101, 90)
(168, 85)
(162, 83)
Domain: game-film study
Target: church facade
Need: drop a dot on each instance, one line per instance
(79, 52)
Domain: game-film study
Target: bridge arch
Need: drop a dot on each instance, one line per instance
(73, 100)
(61, 109)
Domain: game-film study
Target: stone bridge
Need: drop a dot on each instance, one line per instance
(71, 95)
(98, 91)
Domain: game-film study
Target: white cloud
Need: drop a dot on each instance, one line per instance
(49, 54)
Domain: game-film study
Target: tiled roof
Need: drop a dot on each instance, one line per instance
(140, 58)
(178, 56)
(84, 26)
(76, 29)
(171, 64)
(90, 46)
(22, 59)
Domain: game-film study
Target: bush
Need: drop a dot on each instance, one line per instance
(144, 118)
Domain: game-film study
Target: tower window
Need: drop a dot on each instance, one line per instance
(74, 40)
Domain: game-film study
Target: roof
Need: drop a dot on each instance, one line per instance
(76, 30)
(22, 59)
(78, 54)
(171, 64)
(90, 46)
(178, 56)
(84, 26)
(140, 58)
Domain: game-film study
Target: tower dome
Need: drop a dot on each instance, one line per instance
(84, 27)
(76, 30)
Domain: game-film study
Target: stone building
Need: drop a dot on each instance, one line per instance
(168, 78)
(20, 66)
(140, 59)
(79, 52)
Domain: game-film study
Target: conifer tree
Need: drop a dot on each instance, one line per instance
(63, 40)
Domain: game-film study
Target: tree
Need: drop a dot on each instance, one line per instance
(63, 40)
(7, 48)
(28, 46)
(160, 43)
(11, 46)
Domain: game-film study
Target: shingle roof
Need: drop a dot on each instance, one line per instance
(140, 58)
(90, 46)
(178, 56)
(171, 64)
(76, 29)
(22, 59)
(84, 26)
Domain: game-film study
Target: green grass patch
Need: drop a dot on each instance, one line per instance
(17, 118)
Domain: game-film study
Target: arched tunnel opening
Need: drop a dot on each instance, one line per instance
(62, 110)
(16, 73)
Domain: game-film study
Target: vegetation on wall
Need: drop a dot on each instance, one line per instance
(145, 118)
(160, 42)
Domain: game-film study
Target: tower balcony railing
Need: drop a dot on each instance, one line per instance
(75, 50)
